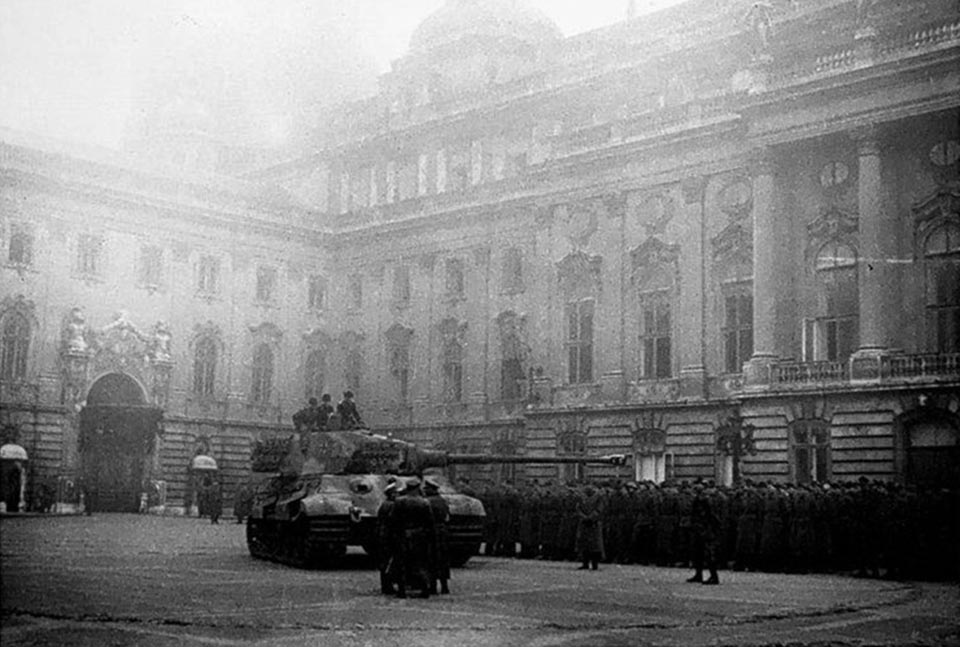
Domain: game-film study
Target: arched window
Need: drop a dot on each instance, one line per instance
(314, 374)
(205, 367)
(832, 334)
(262, 374)
(16, 343)
(452, 371)
(21, 247)
(942, 269)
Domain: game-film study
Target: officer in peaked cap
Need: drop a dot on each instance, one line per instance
(386, 539)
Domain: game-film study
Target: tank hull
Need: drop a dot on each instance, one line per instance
(310, 523)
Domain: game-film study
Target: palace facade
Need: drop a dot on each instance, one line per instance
(723, 238)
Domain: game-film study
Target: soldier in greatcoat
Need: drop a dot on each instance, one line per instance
(704, 535)
(440, 559)
(412, 521)
(386, 540)
(589, 539)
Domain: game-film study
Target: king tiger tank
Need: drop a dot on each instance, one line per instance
(322, 490)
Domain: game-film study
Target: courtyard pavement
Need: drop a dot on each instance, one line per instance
(121, 580)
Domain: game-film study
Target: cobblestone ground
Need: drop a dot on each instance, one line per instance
(154, 581)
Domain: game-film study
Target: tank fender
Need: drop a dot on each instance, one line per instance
(461, 504)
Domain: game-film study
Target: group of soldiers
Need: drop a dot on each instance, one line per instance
(867, 527)
(321, 416)
(412, 539)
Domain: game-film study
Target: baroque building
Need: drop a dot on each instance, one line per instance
(723, 238)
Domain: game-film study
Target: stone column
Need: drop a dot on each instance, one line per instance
(441, 170)
(391, 181)
(476, 162)
(692, 295)
(374, 186)
(423, 164)
(872, 276)
(756, 371)
(344, 192)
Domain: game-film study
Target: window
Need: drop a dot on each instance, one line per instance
(512, 271)
(16, 343)
(401, 284)
(205, 367)
(572, 443)
(314, 370)
(811, 451)
(88, 255)
(454, 277)
(266, 284)
(580, 342)
(942, 267)
(833, 335)
(262, 374)
(452, 371)
(21, 247)
(356, 292)
(316, 292)
(354, 371)
(208, 276)
(655, 338)
(737, 327)
(400, 369)
(151, 265)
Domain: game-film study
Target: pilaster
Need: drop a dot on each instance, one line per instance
(757, 370)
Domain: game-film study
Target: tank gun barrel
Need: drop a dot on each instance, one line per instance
(480, 459)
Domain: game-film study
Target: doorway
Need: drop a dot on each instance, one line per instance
(118, 431)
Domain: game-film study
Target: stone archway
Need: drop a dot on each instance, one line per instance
(118, 431)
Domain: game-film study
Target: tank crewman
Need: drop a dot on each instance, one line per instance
(589, 543)
(414, 525)
(704, 532)
(386, 540)
(307, 419)
(440, 559)
(324, 411)
(349, 415)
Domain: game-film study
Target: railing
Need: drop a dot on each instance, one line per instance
(807, 372)
(909, 366)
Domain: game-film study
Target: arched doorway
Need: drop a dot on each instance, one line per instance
(118, 432)
(931, 445)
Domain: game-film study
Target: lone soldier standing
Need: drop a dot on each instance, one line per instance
(413, 523)
(440, 561)
(704, 528)
(347, 410)
(589, 541)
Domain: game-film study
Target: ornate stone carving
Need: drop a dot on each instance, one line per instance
(692, 189)
(579, 275)
(651, 255)
(759, 23)
(267, 332)
(75, 332)
(427, 262)
(736, 198)
(317, 339)
(452, 331)
(940, 206)
(655, 213)
(733, 243)
(833, 223)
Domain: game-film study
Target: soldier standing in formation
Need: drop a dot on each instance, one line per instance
(704, 528)
(589, 539)
(386, 541)
(440, 560)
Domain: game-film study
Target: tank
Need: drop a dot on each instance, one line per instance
(321, 491)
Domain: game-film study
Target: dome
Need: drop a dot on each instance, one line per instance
(457, 19)
(13, 452)
(202, 463)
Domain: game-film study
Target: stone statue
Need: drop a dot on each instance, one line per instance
(160, 347)
(759, 18)
(75, 332)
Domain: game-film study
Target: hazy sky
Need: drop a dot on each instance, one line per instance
(72, 69)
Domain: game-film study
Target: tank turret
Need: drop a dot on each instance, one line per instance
(325, 489)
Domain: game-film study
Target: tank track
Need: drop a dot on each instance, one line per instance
(303, 543)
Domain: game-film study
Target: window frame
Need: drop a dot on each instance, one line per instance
(15, 338)
(740, 330)
(25, 235)
(262, 365)
(652, 363)
(90, 255)
(579, 345)
(205, 357)
(815, 448)
(267, 284)
(938, 314)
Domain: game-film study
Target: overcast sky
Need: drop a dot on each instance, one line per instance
(71, 69)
